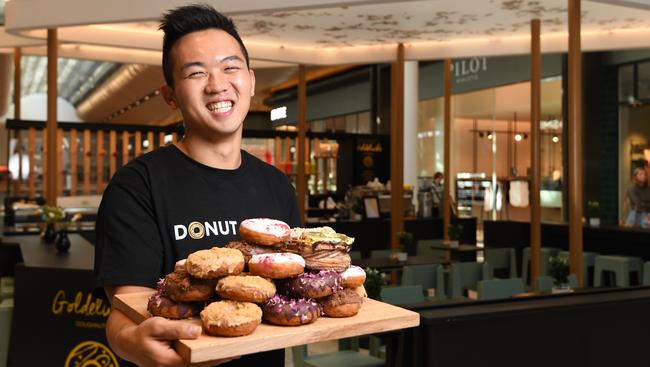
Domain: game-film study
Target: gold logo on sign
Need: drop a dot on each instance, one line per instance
(91, 354)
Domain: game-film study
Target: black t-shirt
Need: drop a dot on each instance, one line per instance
(163, 206)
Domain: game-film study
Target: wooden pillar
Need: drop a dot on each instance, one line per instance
(535, 157)
(301, 148)
(574, 75)
(17, 116)
(446, 202)
(74, 155)
(51, 125)
(397, 148)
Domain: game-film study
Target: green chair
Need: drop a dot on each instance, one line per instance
(380, 254)
(6, 312)
(588, 261)
(544, 283)
(646, 273)
(355, 255)
(348, 357)
(6, 288)
(466, 275)
(501, 258)
(428, 276)
(545, 253)
(424, 248)
(621, 266)
(402, 295)
(499, 288)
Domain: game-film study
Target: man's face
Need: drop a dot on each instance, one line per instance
(212, 84)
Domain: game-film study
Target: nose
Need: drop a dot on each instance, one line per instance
(216, 83)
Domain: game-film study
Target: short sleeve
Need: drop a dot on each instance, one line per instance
(128, 249)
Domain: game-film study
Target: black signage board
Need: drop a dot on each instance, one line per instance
(372, 159)
(59, 319)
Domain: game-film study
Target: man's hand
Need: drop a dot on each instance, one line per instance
(149, 343)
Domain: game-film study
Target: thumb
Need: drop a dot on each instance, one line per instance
(161, 328)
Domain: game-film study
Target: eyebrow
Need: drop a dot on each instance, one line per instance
(201, 64)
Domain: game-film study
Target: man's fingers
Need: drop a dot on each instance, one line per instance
(161, 328)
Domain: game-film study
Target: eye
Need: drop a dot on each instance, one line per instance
(232, 68)
(196, 75)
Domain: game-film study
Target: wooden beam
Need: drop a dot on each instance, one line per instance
(446, 202)
(137, 144)
(535, 152)
(397, 148)
(99, 166)
(73, 162)
(60, 160)
(125, 148)
(51, 125)
(574, 75)
(87, 153)
(112, 153)
(301, 148)
(31, 151)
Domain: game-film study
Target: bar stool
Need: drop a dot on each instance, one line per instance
(545, 254)
(621, 266)
(588, 261)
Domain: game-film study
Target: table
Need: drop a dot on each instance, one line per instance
(388, 264)
(461, 252)
(58, 313)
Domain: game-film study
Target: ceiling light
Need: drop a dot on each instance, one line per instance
(489, 136)
(517, 137)
(555, 139)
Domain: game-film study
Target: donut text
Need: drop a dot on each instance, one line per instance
(198, 230)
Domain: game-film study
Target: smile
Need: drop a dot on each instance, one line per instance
(220, 107)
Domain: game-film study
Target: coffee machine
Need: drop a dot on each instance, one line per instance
(425, 196)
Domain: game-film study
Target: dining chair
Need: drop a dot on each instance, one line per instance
(427, 276)
(402, 295)
(500, 259)
(466, 275)
(499, 288)
(424, 248)
(545, 254)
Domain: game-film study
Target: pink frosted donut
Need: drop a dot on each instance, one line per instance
(278, 265)
(282, 310)
(313, 284)
(264, 231)
(353, 277)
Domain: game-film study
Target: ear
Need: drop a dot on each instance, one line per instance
(168, 95)
(252, 82)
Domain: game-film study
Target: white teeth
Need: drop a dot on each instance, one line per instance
(222, 106)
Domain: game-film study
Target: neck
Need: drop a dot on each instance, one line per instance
(222, 154)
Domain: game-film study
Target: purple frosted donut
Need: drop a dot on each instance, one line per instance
(282, 310)
(313, 284)
(159, 305)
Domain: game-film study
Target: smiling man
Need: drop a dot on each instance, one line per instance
(190, 195)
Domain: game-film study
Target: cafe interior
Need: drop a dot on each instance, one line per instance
(484, 155)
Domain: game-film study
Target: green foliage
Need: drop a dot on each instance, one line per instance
(454, 231)
(593, 209)
(52, 214)
(559, 270)
(375, 279)
(405, 240)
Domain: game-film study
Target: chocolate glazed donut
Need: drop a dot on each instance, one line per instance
(313, 284)
(282, 310)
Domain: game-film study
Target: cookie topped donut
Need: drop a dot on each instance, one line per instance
(214, 263)
(264, 231)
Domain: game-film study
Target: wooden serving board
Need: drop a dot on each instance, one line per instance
(374, 317)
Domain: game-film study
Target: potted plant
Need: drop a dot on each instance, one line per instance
(51, 215)
(453, 231)
(405, 241)
(593, 213)
(559, 270)
(374, 281)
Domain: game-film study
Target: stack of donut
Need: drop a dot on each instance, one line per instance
(294, 276)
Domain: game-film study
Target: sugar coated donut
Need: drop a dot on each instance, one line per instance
(353, 277)
(245, 288)
(344, 303)
(264, 231)
(231, 318)
(214, 263)
(276, 265)
(181, 287)
(313, 284)
(160, 305)
(282, 310)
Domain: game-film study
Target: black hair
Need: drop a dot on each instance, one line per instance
(183, 20)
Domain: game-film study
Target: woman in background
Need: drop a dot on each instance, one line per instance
(638, 196)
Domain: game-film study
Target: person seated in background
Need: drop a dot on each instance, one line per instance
(638, 199)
